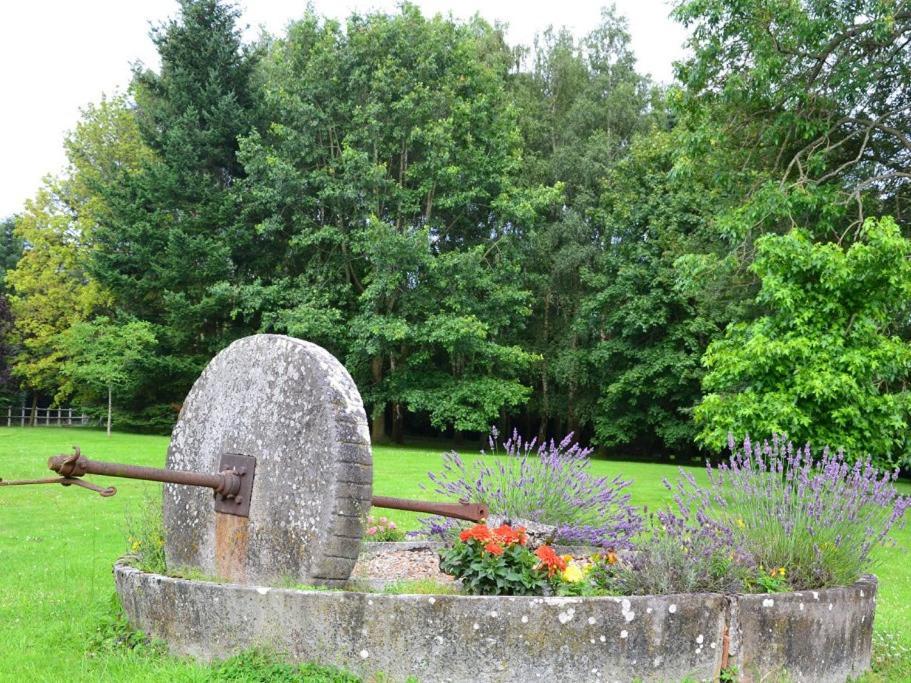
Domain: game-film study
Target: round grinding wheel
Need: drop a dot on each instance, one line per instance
(295, 409)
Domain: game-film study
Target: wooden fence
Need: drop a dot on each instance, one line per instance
(21, 416)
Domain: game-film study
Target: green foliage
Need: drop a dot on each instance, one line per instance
(114, 634)
(145, 535)
(103, 356)
(648, 324)
(49, 287)
(482, 232)
(170, 239)
(823, 363)
(579, 105)
(767, 581)
(258, 665)
(803, 106)
(421, 587)
(676, 563)
(382, 192)
(11, 247)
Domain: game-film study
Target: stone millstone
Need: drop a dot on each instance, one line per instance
(294, 407)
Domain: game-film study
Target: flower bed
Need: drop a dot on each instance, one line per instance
(759, 571)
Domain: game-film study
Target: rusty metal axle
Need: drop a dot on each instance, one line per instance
(473, 512)
(226, 483)
(232, 485)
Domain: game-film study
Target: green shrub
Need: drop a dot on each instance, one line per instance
(259, 665)
(145, 535)
(826, 362)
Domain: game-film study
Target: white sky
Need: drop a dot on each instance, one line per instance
(58, 55)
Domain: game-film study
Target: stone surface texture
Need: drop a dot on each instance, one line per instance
(786, 636)
(823, 635)
(436, 638)
(294, 407)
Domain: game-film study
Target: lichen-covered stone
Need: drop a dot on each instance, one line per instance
(823, 635)
(501, 639)
(294, 407)
(437, 638)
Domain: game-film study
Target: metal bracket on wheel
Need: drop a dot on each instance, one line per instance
(243, 467)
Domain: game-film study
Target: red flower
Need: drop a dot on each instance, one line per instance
(494, 548)
(550, 560)
(479, 532)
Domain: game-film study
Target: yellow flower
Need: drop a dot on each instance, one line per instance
(573, 572)
(740, 524)
(136, 546)
(781, 571)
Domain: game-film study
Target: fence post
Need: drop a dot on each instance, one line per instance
(59, 410)
(69, 417)
(22, 415)
(9, 416)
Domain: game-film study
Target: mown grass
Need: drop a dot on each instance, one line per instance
(57, 547)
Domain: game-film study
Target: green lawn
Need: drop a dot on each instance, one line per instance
(57, 546)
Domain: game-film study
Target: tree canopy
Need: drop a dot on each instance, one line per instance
(538, 237)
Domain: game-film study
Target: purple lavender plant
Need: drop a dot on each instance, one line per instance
(819, 520)
(548, 483)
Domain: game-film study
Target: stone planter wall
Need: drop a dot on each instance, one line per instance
(814, 636)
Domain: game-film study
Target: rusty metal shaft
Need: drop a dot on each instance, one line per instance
(473, 512)
(226, 483)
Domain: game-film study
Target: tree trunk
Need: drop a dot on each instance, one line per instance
(33, 418)
(398, 423)
(378, 417)
(109, 409)
(378, 423)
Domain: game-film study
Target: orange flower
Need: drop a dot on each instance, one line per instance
(494, 548)
(507, 535)
(479, 532)
(611, 557)
(550, 560)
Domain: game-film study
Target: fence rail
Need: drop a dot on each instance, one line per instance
(21, 416)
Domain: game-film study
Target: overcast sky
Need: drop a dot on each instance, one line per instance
(58, 55)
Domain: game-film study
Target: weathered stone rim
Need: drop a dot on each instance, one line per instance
(653, 638)
(864, 582)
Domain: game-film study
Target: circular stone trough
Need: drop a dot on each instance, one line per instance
(807, 636)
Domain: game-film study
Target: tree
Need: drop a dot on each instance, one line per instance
(823, 363)
(7, 350)
(647, 317)
(49, 287)
(579, 107)
(389, 166)
(10, 252)
(171, 238)
(10, 248)
(101, 355)
(806, 106)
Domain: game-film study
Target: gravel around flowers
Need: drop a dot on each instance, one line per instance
(397, 564)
